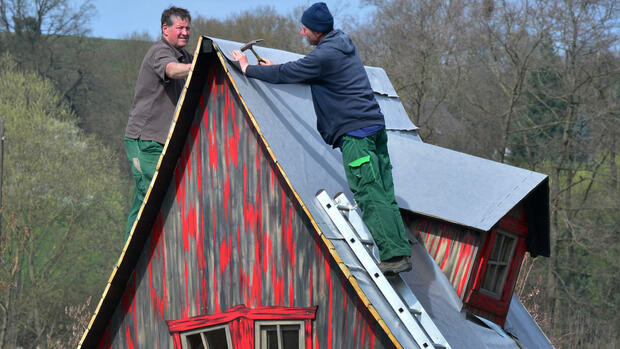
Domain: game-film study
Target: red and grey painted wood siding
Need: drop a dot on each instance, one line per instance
(230, 233)
(454, 248)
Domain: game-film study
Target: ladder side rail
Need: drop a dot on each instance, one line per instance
(401, 310)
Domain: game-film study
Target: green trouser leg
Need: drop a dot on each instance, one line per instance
(143, 157)
(369, 173)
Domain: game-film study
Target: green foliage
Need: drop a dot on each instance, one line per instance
(62, 210)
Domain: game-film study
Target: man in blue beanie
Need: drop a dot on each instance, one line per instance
(349, 118)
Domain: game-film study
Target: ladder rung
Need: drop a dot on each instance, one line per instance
(341, 238)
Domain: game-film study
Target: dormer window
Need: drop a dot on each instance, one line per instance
(481, 266)
(498, 264)
(497, 267)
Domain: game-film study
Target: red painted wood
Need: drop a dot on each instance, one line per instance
(466, 258)
(492, 308)
(241, 311)
(308, 333)
(515, 226)
(242, 333)
(240, 320)
(481, 263)
(452, 247)
(105, 341)
(177, 341)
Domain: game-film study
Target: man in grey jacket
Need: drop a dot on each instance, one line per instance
(349, 118)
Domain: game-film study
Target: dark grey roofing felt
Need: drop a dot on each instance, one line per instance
(377, 76)
(428, 180)
(520, 324)
(465, 189)
(454, 186)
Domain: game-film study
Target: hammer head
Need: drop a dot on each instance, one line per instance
(250, 44)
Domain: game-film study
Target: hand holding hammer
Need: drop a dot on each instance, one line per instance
(239, 56)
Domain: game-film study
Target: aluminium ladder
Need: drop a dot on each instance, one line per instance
(401, 299)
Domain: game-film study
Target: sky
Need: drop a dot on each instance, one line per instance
(116, 19)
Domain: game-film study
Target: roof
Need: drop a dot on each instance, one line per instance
(465, 189)
(285, 118)
(454, 186)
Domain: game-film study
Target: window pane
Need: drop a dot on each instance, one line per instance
(194, 341)
(499, 263)
(489, 277)
(498, 243)
(216, 339)
(507, 248)
(290, 336)
(501, 276)
(269, 337)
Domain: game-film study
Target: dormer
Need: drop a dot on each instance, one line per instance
(482, 266)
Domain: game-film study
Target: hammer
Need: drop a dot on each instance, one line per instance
(249, 46)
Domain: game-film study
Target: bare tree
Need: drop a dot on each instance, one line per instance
(418, 44)
(534, 84)
(502, 43)
(47, 36)
(541, 91)
(584, 141)
(277, 30)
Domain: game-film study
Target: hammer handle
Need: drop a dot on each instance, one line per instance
(257, 56)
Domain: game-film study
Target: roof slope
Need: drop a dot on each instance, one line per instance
(465, 189)
(429, 180)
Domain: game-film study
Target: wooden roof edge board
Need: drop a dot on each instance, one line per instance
(328, 244)
(140, 232)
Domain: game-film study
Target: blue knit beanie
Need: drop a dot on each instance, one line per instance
(317, 18)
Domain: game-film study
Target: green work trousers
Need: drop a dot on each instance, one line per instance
(369, 173)
(143, 157)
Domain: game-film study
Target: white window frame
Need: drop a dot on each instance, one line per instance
(258, 344)
(202, 332)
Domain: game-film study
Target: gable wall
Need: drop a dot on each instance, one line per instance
(229, 233)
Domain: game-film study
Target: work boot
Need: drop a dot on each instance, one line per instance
(395, 265)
